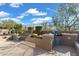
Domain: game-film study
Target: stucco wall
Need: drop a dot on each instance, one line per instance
(44, 43)
(69, 39)
(4, 31)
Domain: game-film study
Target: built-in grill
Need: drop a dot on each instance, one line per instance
(57, 33)
(57, 40)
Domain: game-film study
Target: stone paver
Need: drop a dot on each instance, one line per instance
(61, 51)
(9, 48)
(16, 52)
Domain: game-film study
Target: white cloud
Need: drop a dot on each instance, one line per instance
(32, 11)
(8, 18)
(21, 16)
(14, 19)
(4, 14)
(16, 5)
(48, 8)
(35, 12)
(41, 20)
(1, 4)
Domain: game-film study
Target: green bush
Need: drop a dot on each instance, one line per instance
(38, 29)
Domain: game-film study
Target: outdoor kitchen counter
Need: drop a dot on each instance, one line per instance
(69, 34)
(69, 39)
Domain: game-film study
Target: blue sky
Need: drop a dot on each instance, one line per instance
(28, 13)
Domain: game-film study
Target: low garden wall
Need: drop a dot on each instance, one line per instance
(72, 32)
(43, 43)
(69, 39)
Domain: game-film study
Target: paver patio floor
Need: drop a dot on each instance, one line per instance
(21, 49)
(18, 49)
